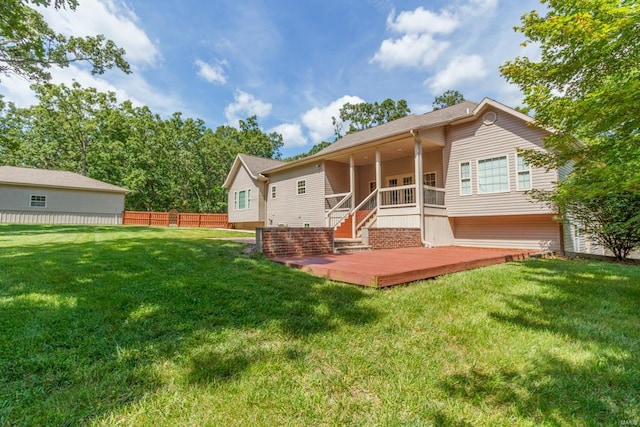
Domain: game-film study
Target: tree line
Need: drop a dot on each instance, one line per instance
(174, 163)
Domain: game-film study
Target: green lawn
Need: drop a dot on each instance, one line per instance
(165, 327)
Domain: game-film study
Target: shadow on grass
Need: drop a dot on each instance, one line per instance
(84, 327)
(594, 377)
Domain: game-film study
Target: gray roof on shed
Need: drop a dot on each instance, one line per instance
(53, 178)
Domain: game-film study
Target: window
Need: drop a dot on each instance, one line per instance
(465, 178)
(372, 186)
(302, 186)
(408, 193)
(306, 225)
(429, 179)
(273, 191)
(493, 175)
(38, 201)
(242, 199)
(524, 173)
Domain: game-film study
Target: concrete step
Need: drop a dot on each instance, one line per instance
(351, 249)
(347, 246)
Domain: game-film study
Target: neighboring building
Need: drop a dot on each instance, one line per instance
(455, 173)
(248, 191)
(39, 196)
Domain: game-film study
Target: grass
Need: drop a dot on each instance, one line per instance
(163, 327)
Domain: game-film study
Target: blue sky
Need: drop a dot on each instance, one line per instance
(294, 63)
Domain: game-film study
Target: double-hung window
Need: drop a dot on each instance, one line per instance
(523, 169)
(493, 175)
(465, 178)
(429, 179)
(301, 187)
(242, 200)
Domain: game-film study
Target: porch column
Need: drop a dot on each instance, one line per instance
(352, 189)
(378, 178)
(352, 181)
(419, 186)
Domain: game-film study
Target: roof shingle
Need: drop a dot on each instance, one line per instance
(54, 178)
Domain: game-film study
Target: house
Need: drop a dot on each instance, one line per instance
(39, 196)
(455, 174)
(248, 190)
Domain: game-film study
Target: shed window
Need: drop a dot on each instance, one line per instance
(302, 186)
(38, 201)
(493, 175)
(465, 178)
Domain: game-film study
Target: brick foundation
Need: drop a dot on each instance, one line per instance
(288, 242)
(394, 238)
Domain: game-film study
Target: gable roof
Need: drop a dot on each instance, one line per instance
(55, 179)
(254, 166)
(396, 127)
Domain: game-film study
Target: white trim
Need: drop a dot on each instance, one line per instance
(506, 157)
(523, 171)
(34, 198)
(470, 178)
(304, 187)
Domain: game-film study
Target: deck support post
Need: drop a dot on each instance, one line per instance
(419, 165)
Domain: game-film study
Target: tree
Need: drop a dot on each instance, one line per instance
(29, 47)
(365, 115)
(585, 88)
(313, 150)
(447, 99)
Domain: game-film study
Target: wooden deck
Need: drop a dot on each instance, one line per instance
(390, 267)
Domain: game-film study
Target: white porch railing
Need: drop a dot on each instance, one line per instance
(340, 209)
(433, 196)
(403, 195)
(364, 211)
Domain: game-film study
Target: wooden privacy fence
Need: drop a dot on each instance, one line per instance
(171, 218)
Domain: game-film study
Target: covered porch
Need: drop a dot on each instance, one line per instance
(394, 182)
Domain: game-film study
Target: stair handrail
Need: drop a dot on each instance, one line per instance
(371, 196)
(328, 215)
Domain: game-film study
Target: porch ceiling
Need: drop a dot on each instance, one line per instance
(389, 151)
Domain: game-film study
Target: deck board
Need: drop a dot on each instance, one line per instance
(390, 267)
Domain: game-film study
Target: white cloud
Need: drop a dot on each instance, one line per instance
(318, 119)
(292, 134)
(460, 69)
(211, 73)
(422, 21)
(245, 105)
(417, 47)
(115, 20)
(412, 50)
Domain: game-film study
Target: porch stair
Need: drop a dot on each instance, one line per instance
(349, 246)
(343, 231)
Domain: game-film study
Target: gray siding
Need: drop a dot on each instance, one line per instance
(474, 141)
(292, 209)
(514, 231)
(63, 206)
(336, 177)
(244, 181)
